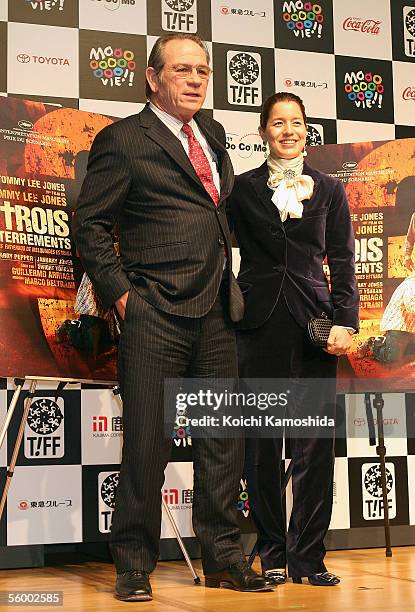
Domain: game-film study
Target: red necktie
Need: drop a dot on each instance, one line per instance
(200, 163)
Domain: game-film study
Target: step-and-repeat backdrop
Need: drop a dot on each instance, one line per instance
(352, 63)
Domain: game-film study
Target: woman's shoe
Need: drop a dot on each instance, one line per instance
(275, 576)
(321, 579)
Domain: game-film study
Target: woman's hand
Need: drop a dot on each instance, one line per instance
(339, 342)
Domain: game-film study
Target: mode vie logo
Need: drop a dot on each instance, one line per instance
(113, 66)
(46, 5)
(364, 89)
(304, 19)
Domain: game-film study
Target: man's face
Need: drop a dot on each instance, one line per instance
(180, 88)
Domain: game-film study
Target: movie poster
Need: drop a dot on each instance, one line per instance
(379, 179)
(43, 156)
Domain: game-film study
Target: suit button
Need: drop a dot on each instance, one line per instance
(275, 231)
(279, 268)
(221, 242)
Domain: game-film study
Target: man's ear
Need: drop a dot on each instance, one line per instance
(152, 79)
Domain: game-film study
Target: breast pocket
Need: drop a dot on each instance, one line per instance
(313, 214)
(161, 253)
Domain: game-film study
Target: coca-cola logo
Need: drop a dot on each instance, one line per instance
(367, 26)
(409, 93)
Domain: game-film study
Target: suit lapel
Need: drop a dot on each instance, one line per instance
(159, 133)
(259, 182)
(314, 175)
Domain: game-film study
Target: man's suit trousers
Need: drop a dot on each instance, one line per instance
(154, 346)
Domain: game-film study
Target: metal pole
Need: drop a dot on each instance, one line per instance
(19, 386)
(10, 471)
(381, 451)
(180, 541)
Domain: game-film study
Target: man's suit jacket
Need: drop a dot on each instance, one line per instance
(172, 236)
(288, 257)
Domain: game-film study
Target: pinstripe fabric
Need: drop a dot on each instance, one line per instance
(172, 236)
(162, 346)
(172, 240)
(175, 126)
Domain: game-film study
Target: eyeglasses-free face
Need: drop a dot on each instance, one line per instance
(285, 131)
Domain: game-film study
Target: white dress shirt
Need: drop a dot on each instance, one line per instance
(175, 126)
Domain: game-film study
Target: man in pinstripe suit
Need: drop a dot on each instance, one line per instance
(166, 185)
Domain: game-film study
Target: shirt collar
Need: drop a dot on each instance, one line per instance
(174, 124)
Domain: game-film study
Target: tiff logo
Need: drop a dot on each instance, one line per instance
(244, 78)
(372, 496)
(179, 16)
(409, 30)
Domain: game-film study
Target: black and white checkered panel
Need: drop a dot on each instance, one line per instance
(353, 64)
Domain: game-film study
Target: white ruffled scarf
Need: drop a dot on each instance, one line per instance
(290, 185)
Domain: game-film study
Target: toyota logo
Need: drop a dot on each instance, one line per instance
(23, 58)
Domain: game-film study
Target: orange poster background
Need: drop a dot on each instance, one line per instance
(43, 155)
(379, 178)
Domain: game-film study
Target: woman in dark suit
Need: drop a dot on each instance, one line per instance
(287, 218)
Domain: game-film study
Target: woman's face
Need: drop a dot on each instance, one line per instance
(285, 131)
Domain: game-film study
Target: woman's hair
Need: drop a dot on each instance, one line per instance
(281, 96)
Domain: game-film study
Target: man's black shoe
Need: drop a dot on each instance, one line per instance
(240, 577)
(133, 585)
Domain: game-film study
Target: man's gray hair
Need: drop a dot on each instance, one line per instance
(156, 58)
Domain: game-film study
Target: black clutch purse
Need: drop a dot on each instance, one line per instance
(319, 330)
